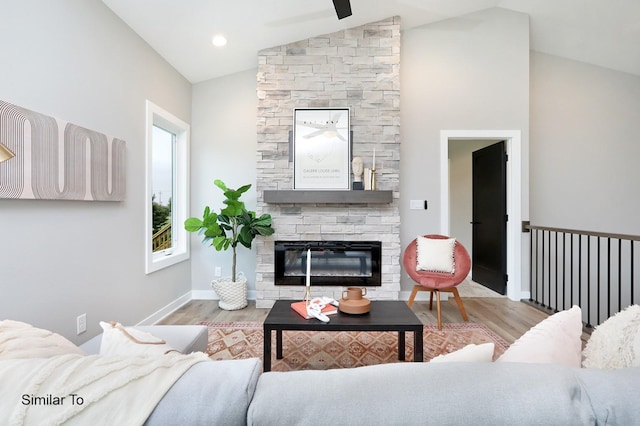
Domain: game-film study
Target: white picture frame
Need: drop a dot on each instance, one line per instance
(321, 149)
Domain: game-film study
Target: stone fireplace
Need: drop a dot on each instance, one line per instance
(358, 68)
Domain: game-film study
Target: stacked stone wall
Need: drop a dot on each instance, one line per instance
(358, 68)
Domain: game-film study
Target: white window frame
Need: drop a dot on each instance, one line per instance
(180, 197)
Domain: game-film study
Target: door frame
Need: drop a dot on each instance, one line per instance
(513, 141)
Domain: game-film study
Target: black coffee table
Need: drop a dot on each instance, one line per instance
(384, 316)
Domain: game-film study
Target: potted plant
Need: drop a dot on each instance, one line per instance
(232, 226)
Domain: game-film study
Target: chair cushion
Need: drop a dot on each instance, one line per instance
(435, 254)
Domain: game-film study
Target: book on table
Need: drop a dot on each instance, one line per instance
(301, 308)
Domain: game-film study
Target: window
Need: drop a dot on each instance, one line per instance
(166, 241)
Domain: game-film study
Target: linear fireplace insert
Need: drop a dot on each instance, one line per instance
(343, 263)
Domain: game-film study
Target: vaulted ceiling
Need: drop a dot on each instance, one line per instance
(600, 32)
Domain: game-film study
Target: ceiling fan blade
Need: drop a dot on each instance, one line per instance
(343, 8)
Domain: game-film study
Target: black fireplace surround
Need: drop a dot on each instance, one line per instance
(339, 263)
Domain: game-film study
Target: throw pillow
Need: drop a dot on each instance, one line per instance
(118, 340)
(22, 340)
(435, 255)
(470, 353)
(616, 342)
(553, 340)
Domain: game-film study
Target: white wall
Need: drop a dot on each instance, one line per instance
(75, 60)
(223, 146)
(466, 73)
(585, 146)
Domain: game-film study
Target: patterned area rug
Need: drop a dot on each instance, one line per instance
(321, 350)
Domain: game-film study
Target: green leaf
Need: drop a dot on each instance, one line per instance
(232, 195)
(245, 237)
(213, 231)
(265, 231)
(193, 224)
(243, 189)
(220, 243)
(220, 184)
(234, 208)
(264, 220)
(210, 219)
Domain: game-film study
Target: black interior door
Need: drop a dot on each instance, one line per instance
(489, 246)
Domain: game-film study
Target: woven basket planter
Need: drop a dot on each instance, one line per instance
(233, 294)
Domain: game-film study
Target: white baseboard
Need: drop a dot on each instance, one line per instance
(204, 295)
(166, 310)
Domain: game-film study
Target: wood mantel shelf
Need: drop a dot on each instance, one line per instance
(327, 197)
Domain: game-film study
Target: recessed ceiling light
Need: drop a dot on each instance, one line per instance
(219, 41)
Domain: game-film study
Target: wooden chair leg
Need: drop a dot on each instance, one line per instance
(431, 300)
(413, 295)
(438, 305)
(456, 295)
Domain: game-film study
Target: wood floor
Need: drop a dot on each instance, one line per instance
(507, 318)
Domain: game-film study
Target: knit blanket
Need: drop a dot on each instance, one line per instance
(72, 389)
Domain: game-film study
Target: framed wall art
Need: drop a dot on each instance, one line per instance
(321, 148)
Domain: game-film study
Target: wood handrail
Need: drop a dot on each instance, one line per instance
(588, 233)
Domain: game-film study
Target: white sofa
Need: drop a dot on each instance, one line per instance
(537, 381)
(235, 393)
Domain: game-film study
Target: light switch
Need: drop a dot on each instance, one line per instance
(418, 204)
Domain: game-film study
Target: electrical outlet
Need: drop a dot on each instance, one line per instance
(218, 271)
(81, 323)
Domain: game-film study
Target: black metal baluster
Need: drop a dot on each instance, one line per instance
(598, 285)
(542, 275)
(580, 270)
(531, 265)
(632, 262)
(588, 280)
(619, 274)
(557, 304)
(571, 282)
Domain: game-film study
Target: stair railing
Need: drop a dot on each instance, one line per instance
(593, 270)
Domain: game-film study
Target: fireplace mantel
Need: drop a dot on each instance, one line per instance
(327, 197)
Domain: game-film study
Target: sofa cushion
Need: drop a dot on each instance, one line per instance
(470, 353)
(183, 338)
(210, 393)
(556, 339)
(423, 394)
(616, 342)
(21, 340)
(117, 340)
